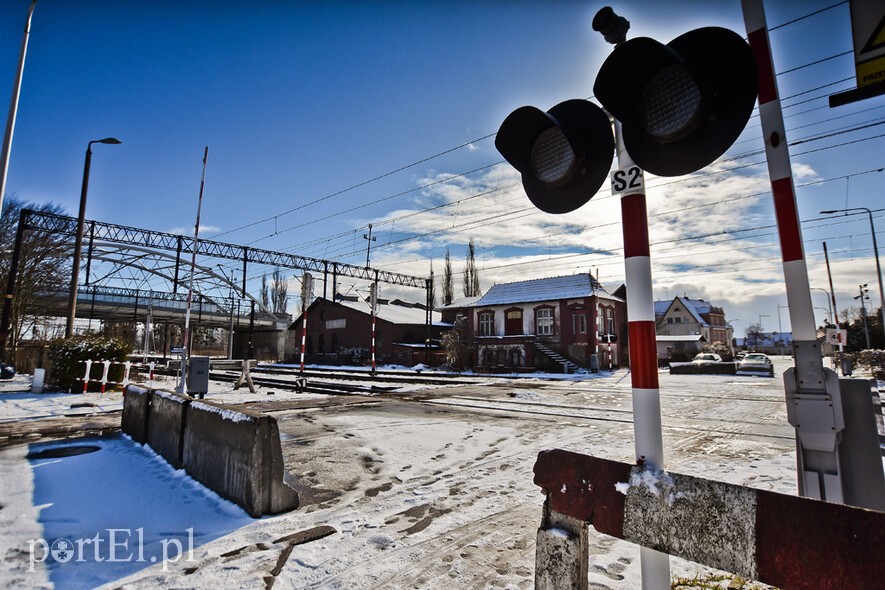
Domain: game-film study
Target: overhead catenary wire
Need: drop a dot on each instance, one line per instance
(490, 135)
(804, 140)
(732, 169)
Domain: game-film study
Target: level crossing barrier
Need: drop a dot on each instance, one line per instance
(788, 541)
(106, 367)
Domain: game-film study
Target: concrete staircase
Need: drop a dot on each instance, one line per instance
(567, 365)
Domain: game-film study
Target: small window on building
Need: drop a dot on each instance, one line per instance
(610, 321)
(582, 323)
(544, 322)
(678, 319)
(487, 323)
(669, 320)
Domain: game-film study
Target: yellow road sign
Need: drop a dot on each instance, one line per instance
(868, 30)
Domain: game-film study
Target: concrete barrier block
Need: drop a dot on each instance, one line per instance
(237, 454)
(562, 553)
(166, 425)
(136, 411)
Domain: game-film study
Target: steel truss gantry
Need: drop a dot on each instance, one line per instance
(100, 235)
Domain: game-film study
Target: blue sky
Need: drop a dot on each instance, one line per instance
(302, 101)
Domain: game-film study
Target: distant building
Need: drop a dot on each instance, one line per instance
(558, 323)
(686, 325)
(767, 342)
(340, 332)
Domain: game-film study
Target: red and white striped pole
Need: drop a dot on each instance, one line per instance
(86, 376)
(373, 303)
(648, 439)
(303, 336)
(306, 294)
(104, 374)
(373, 340)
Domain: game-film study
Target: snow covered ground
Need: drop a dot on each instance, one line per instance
(427, 489)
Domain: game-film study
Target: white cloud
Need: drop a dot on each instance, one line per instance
(189, 231)
(711, 233)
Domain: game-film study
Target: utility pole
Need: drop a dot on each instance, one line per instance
(369, 245)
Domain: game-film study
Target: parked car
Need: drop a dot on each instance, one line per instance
(740, 356)
(755, 359)
(706, 358)
(756, 363)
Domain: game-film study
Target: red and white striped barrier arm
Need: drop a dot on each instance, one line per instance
(780, 172)
(786, 541)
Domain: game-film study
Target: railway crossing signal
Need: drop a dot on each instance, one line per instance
(681, 104)
(564, 155)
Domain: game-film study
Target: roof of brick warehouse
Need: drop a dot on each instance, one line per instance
(394, 311)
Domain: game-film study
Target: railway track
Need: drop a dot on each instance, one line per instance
(379, 376)
(308, 386)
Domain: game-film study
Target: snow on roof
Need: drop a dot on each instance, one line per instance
(679, 338)
(459, 303)
(547, 289)
(695, 307)
(661, 307)
(395, 312)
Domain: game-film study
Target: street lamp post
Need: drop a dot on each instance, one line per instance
(761, 315)
(829, 303)
(826, 313)
(864, 294)
(731, 340)
(78, 240)
(779, 329)
(875, 253)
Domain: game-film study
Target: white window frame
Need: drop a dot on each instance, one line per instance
(544, 319)
(486, 323)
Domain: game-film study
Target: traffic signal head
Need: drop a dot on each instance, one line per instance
(683, 104)
(564, 155)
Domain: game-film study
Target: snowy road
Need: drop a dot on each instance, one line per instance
(433, 489)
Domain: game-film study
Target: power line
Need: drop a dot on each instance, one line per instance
(355, 186)
(809, 15)
(467, 144)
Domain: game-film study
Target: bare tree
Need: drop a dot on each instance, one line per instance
(44, 266)
(753, 332)
(279, 291)
(471, 274)
(448, 281)
(265, 291)
(432, 294)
